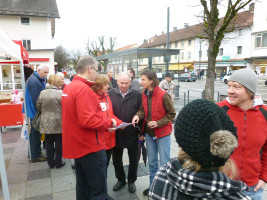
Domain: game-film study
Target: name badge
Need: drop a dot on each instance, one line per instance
(103, 106)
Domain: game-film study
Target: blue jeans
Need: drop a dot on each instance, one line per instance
(35, 142)
(155, 146)
(254, 195)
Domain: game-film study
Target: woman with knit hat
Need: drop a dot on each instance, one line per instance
(250, 118)
(158, 110)
(207, 138)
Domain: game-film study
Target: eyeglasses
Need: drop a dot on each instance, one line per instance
(96, 69)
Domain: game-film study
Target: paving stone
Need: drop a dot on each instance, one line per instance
(62, 183)
(66, 195)
(16, 175)
(65, 170)
(8, 150)
(39, 174)
(38, 166)
(16, 191)
(12, 140)
(9, 145)
(42, 197)
(38, 187)
(8, 156)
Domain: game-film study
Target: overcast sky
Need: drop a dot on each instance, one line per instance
(129, 21)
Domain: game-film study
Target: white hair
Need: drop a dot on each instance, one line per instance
(108, 70)
(42, 67)
(60, 74)
(124, 73)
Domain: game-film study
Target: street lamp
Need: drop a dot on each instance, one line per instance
(200, 54)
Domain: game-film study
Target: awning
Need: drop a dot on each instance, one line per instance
(179, 66)
(24, 53)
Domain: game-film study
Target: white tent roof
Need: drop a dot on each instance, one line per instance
(8, 47)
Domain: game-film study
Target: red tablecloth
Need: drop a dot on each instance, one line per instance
(11, 114)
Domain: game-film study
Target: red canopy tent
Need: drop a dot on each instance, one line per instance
(24, 53)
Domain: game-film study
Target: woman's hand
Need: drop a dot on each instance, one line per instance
(261, 184)
(152, 124)
(135, 120)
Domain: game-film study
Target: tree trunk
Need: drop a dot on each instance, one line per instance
(209, 87)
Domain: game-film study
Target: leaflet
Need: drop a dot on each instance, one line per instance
(123, 125)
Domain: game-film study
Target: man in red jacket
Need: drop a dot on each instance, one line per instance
(83, 127)
(249, 116)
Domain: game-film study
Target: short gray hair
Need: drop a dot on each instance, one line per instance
(108, 70)
(42, 67)
(124, 73)
(84, 62)
(60, 74)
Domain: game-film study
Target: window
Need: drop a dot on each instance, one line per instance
(189, 54)
(176, 56)
(27, 44)
(182, 44)
(25, 20)
(176, 44)
(221, 51)
(240, 32)
(261, 40)
(239, 50)
(182, 55)
(189, 42)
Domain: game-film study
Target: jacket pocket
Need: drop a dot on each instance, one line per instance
(96, 137)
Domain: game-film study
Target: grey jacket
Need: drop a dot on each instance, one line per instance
(135, 84)
(49, 103)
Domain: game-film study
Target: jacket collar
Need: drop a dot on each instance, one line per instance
(256, 104)
(51, 87)
(87, 82)
(117, 90)
(39, 77)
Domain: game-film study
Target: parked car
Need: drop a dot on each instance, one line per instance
(227, 76)
(188, 77)
(266, 82)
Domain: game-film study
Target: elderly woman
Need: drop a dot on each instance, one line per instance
(100, 88)
(49, 103)
(207, 138)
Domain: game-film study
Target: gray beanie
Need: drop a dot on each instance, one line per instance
(246, 77)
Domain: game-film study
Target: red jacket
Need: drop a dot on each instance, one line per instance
(83, 123)
(252, 139)
(109, 136)
(158, 111)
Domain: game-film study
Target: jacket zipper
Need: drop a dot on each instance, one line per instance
(243, 146)
(96, 137)
(108, 117)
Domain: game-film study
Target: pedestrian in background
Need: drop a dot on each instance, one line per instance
(134, 81)
(125, 103)
(249, 116)
(168, 85)
(62, 77)
(158, 111)
(34, 86)
(112, 82)
(83, 131)
(49, 103)
(206, 137)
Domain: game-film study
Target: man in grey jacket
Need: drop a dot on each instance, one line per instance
(135, 83)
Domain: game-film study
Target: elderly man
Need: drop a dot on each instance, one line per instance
(34, 86)
(83, 128)
(112, 83)
(168, 85)
(125, 103)
(249, 116)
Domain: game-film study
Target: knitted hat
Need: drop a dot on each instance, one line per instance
(206, 133)
(246, 77)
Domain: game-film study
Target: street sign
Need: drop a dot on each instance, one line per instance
(226, 58)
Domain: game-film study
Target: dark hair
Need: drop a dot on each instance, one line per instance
(151, 75)
(168, 75)
(132, 71)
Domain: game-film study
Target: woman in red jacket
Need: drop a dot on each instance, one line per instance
(158, 110)
(100, 88)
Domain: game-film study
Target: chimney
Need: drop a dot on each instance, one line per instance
(174, 28)
(251, 6)
(186, 25)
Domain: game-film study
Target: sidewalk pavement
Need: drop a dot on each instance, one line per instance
(36, 181)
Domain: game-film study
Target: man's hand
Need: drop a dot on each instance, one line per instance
(111, 129)
(141, 138)
(260, 184)
(114, 123)
(152, 124)
(135, 120)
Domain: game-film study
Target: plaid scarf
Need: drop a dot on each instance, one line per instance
(174, 182)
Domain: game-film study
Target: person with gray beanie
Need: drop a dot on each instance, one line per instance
(249, 116)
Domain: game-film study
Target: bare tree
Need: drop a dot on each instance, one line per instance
(75, 55)
(215, 30)
(62, 57)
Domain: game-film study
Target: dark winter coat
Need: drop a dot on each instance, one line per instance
(125, 109)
